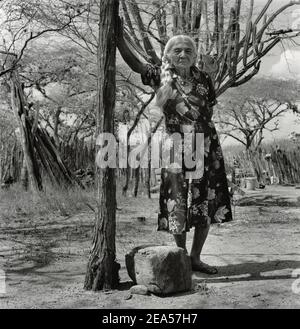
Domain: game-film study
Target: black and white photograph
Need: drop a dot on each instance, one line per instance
(149, 157)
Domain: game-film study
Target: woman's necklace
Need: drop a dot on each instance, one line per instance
(186, 84)
(185, 81)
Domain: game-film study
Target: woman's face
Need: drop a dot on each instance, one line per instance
(182, 55)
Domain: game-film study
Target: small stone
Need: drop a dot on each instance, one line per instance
(256, 295)
(128, 296)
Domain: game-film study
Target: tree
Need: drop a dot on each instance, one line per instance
(7, 138)
(129, 133)
(62, 90)
(20, 28)
(231, 41)
(246, 112)
(222, 30)
(102, 269)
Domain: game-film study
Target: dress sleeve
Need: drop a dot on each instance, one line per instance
(212, 99)
(151, 76)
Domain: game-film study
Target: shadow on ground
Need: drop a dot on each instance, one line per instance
(268, 200)
(251, 271)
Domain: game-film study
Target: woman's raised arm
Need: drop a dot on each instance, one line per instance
(128, 55)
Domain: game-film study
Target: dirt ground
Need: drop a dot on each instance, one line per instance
(45, 258)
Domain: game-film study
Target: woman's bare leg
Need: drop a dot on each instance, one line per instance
(199, 239)
(180, 240)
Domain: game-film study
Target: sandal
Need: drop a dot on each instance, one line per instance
(204, 268)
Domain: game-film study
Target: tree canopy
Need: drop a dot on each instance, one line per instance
(244, 113)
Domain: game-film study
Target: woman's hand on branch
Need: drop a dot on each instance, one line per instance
(155, 114)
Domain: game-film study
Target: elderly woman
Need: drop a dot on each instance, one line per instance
(185, 96)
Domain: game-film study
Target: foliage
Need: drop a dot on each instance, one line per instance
(244, 113)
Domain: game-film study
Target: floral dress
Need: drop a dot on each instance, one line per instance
(185, 202)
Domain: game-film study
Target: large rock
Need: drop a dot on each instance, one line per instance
(162, 269)
(129, 260)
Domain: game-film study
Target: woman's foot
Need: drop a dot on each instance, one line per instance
(199, 266)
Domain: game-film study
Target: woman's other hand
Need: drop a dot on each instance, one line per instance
(155, 114)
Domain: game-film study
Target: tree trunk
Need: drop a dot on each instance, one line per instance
(1, 161)
(19, 108)
(136, 181)
(24, 175)
(102, 269)
(125, 187)
(148, 173)
(56, 126)
(5, 165)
